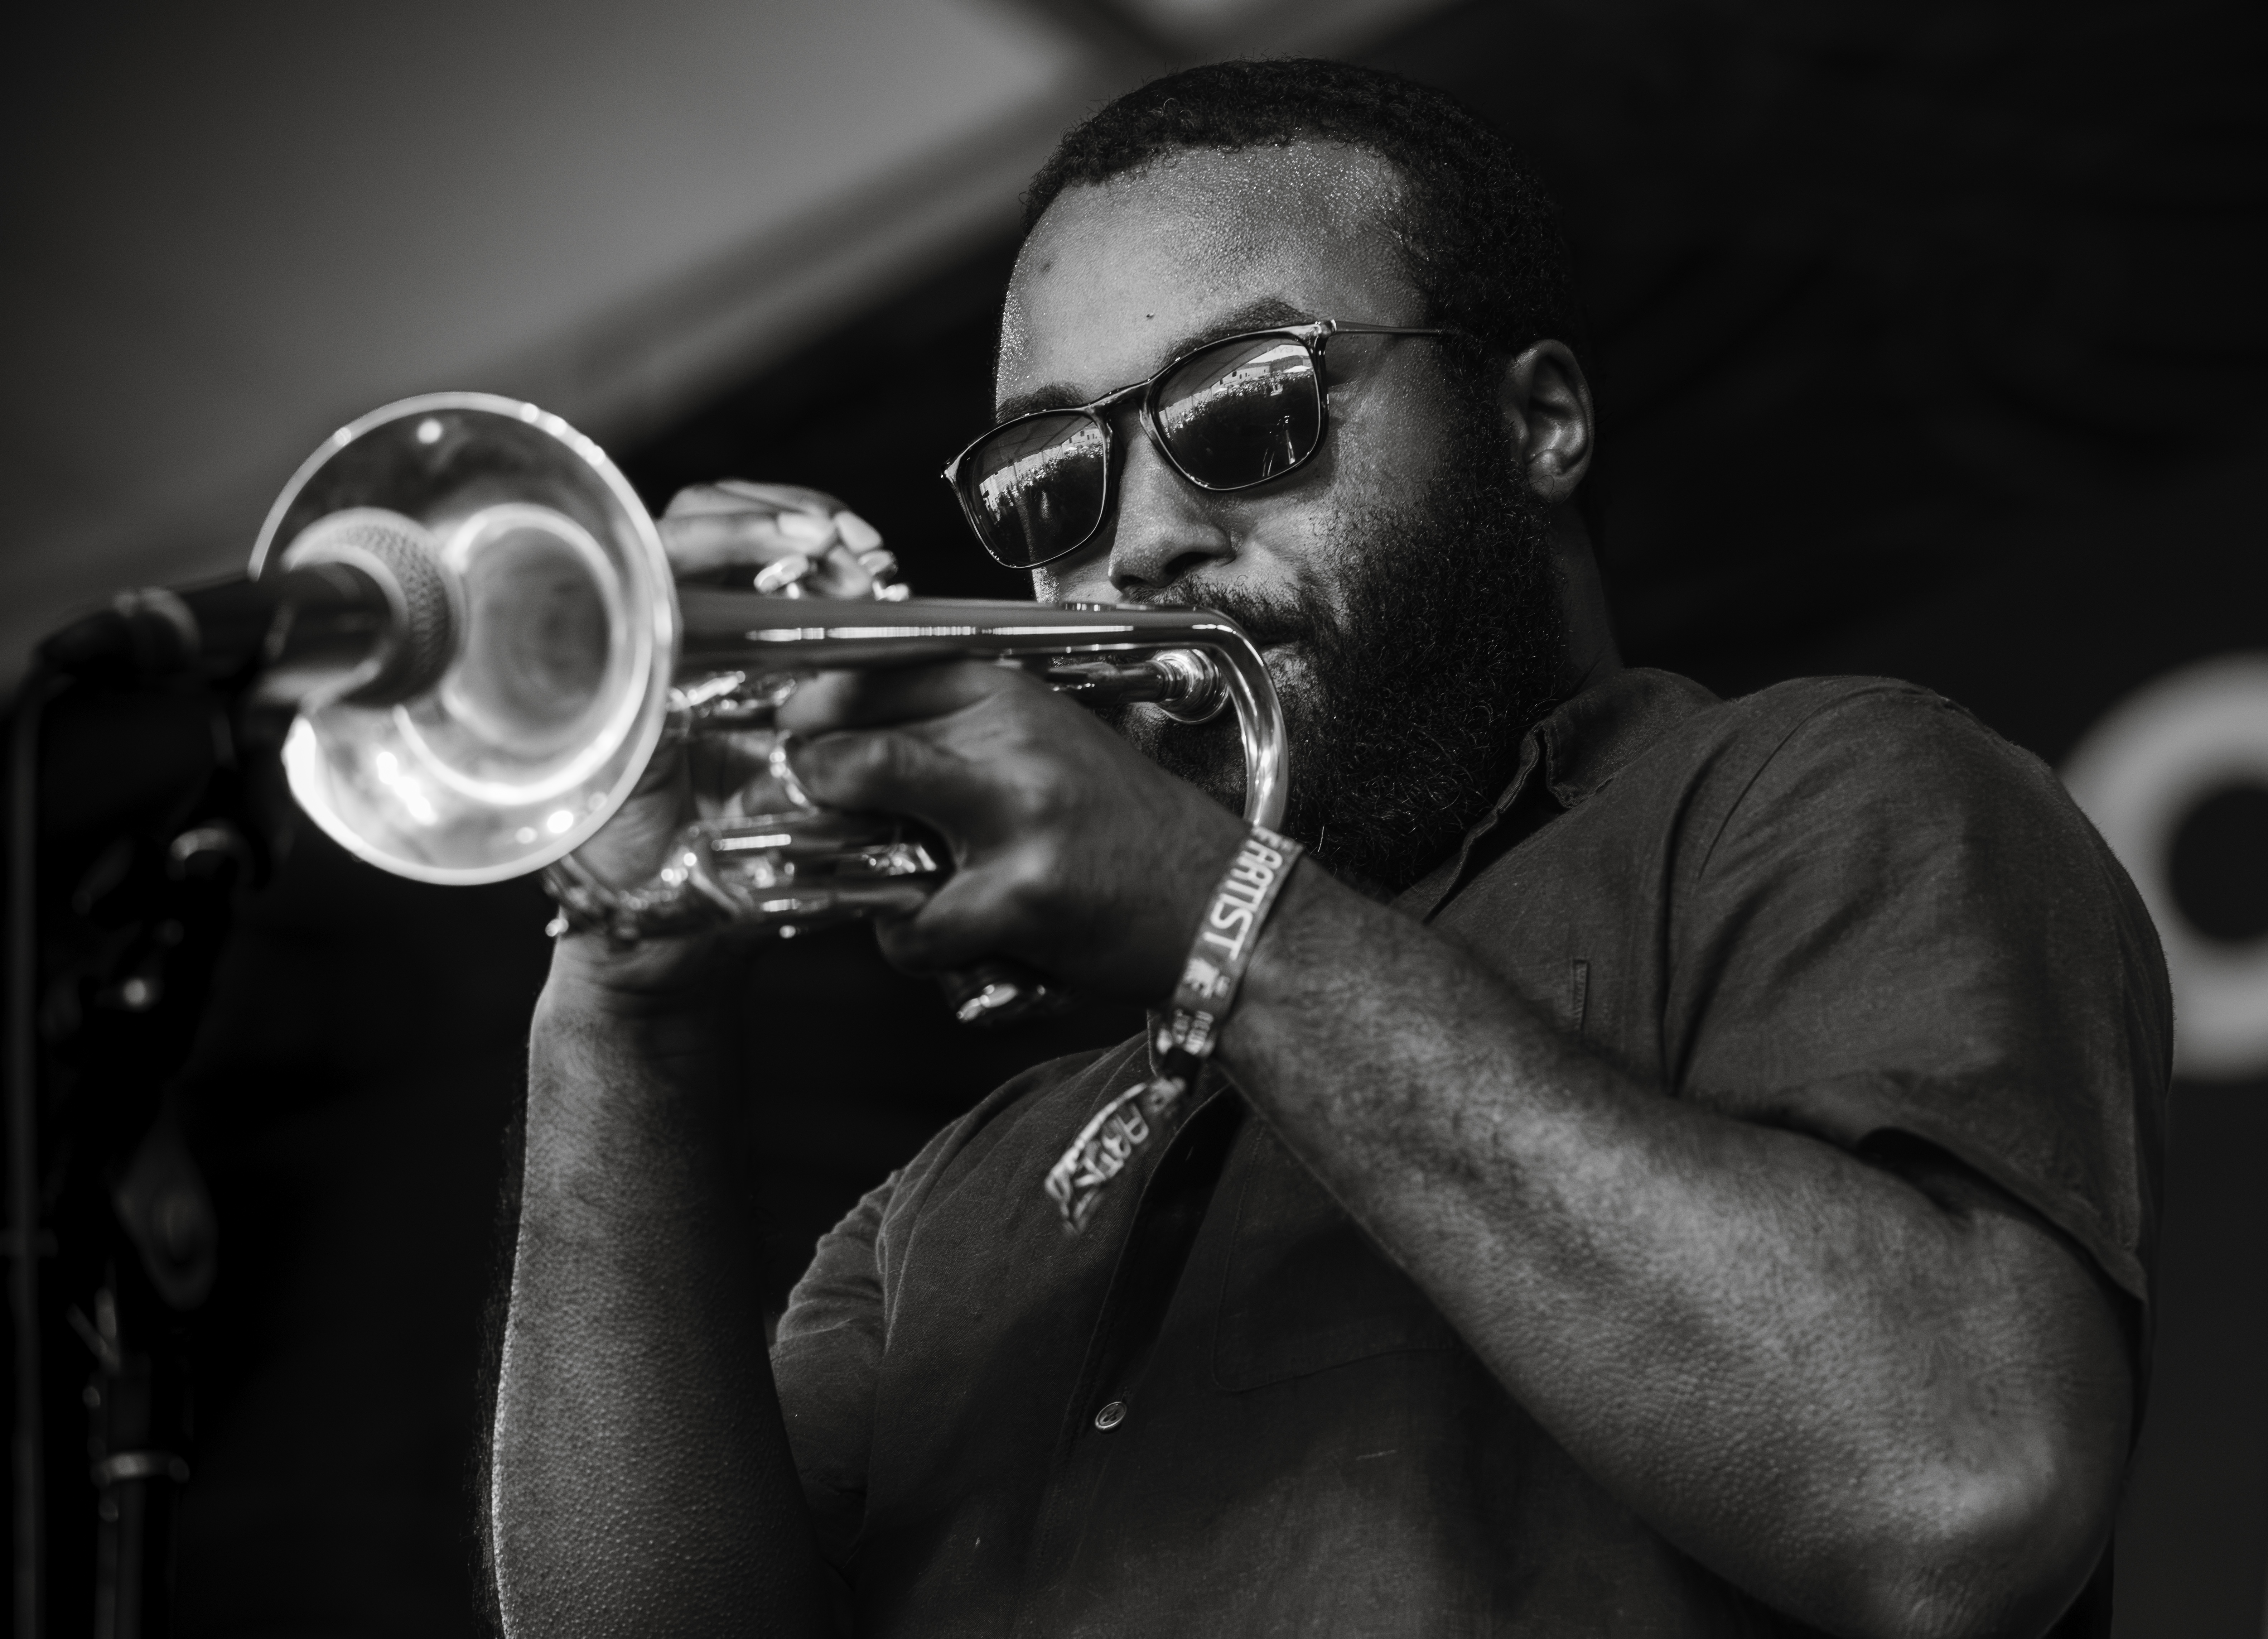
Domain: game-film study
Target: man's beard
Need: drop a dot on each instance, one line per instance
(1424, 670)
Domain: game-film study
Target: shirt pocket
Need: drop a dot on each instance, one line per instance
(1305, 1289)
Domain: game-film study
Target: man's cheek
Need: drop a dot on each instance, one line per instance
(1293, 672)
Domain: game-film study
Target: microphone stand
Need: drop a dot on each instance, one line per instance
(27, 1469)
(131, 824)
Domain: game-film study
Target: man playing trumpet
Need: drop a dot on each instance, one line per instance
(1653, 1165)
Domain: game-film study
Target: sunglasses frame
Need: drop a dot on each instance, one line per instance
(1314, 337)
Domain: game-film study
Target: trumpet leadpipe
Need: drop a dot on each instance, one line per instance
(1191, 663)
(1183, 682)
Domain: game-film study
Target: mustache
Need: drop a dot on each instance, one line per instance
(1267, 622)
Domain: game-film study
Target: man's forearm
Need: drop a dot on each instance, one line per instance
(641, 1481)
(1867, 1404)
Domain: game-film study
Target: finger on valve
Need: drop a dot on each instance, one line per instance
(727, 543)
(863, 543)
(733, 776)
(797, 542)
(843, 553)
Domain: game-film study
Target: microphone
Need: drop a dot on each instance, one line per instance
(361, 607)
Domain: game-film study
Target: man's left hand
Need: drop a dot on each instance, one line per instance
(1072, 852)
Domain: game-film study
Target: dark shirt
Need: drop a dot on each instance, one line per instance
(1841, 907)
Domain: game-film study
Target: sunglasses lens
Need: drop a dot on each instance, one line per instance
(1241, 413)
(1034, 488)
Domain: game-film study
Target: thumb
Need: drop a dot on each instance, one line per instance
(631, 846)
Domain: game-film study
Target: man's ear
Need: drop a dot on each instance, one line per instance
(1548, 418)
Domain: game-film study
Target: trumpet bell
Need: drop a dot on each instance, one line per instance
(554, 646)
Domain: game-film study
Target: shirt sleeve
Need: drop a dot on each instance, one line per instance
(826, 1361)
(1894, 920)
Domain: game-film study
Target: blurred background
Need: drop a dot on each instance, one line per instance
(1931, 343)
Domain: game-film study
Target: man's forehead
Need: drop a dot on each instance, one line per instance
(1119, 276)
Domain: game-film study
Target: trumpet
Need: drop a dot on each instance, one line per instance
(524, 652)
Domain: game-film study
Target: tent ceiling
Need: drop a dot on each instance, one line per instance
(239, 227)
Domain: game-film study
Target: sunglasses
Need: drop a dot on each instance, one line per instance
(1227, 416)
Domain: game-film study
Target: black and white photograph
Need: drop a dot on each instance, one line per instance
(1136, 819)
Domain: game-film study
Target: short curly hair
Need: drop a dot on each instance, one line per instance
(1482, 235)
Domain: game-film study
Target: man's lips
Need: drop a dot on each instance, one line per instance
(1267, 634)
(1269, 630)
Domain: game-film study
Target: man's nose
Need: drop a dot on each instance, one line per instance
(1165, 530)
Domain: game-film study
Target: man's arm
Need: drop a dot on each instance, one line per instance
(641, 1482)
(1886, 1403)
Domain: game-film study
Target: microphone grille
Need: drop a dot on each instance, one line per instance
(403, 553)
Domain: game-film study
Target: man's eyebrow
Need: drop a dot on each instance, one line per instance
(1264, 313)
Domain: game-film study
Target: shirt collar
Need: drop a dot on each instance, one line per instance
(1588, 740)
(1579, 747)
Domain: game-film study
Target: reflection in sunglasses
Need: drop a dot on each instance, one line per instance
(1230, 415)
(1248, 416)
(1039, 467)
(1043, 493)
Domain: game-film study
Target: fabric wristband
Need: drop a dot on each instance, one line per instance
(1218, 957)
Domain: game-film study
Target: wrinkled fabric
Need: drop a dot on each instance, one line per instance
(1838, 906)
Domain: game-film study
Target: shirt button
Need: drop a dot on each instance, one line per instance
(1111, 1415)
